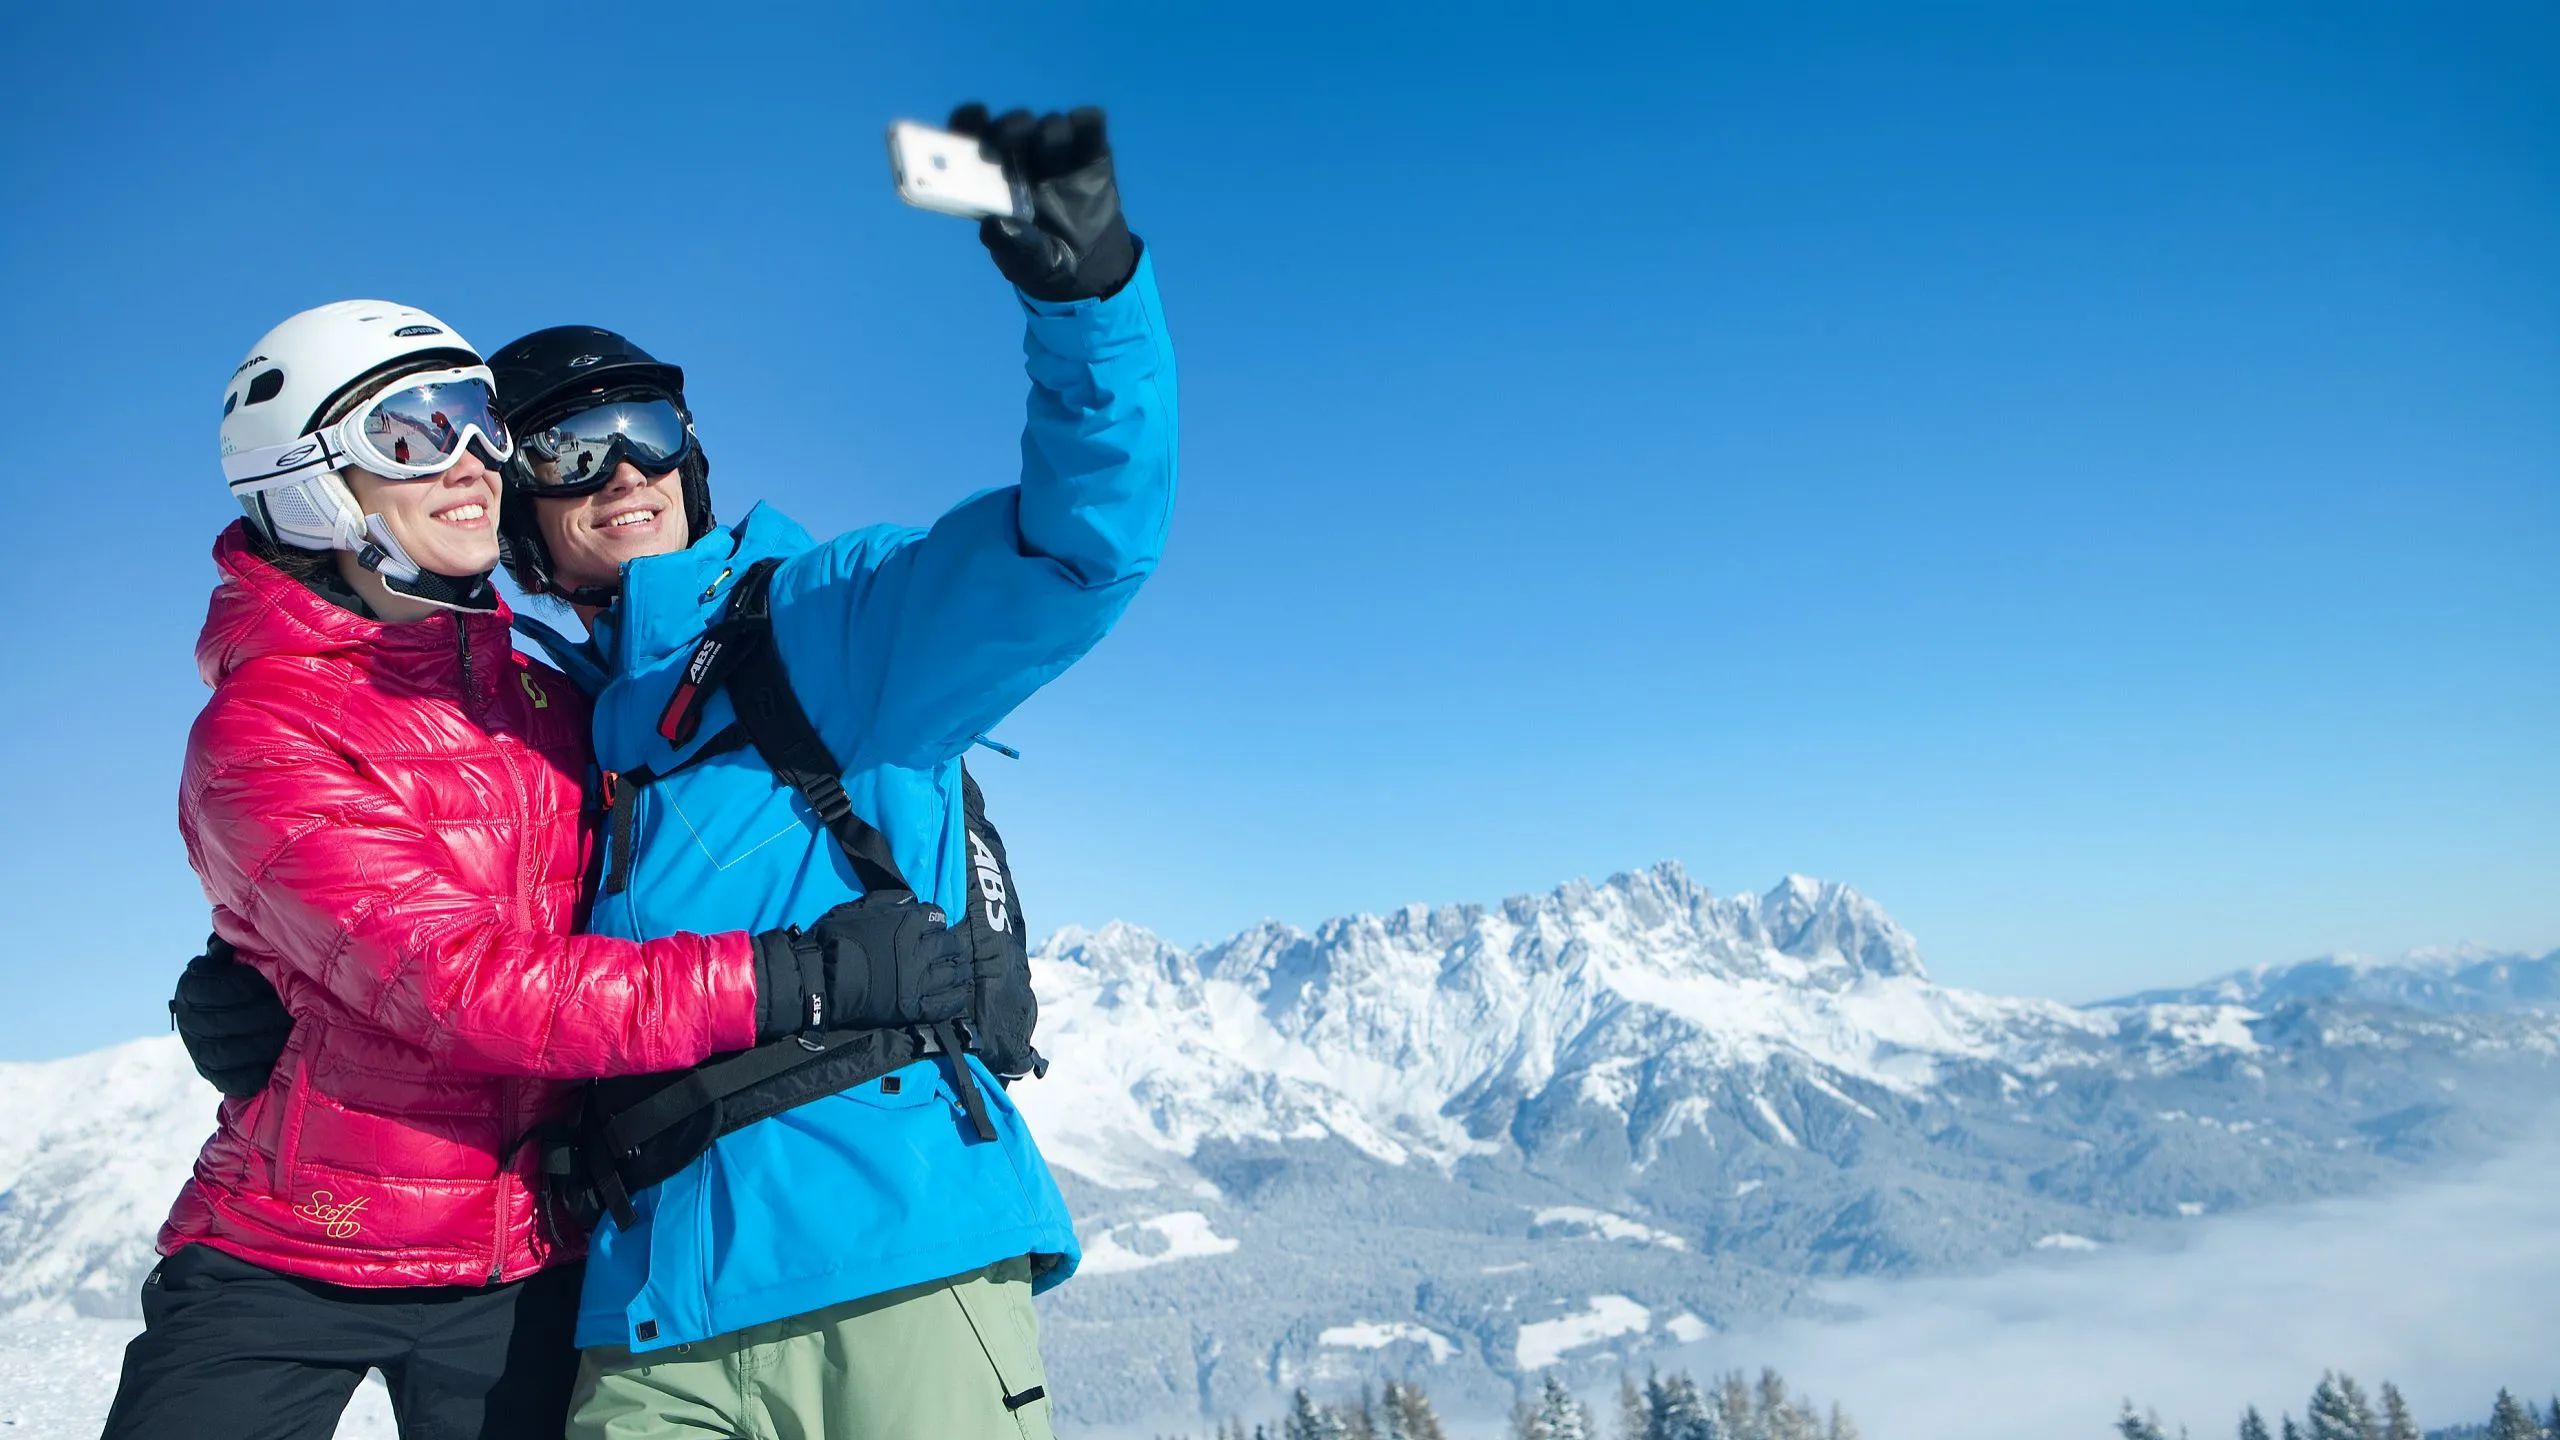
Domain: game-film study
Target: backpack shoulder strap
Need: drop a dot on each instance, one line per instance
(760, 691)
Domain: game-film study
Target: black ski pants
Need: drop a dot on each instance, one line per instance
(235, 1351)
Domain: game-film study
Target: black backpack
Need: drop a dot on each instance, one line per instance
(639, 1130)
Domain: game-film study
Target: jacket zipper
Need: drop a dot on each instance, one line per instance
(524, 916)
(524, 809)
(506, 1161)
(462, 640)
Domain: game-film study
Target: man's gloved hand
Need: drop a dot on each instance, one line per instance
(230, 1020)
(881, 961)
(1076, 247)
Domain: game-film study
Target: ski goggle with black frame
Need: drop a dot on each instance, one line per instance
(577, 453)
(414, 429)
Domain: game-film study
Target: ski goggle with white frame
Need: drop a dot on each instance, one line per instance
(414, 429)
(577, 453)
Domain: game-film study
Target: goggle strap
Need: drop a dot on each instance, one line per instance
(263, 469)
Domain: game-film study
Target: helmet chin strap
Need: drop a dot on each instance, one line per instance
(600, 597)
(401, 575)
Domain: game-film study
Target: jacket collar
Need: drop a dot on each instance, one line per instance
(667, 599)
(259, 610)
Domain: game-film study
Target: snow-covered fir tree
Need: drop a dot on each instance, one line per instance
(2253, 1426)
(1360, 1418)
(1674, 1410)
(1733, 1408)
(2359, 1409)
(2396, 1421)
(2291, 1430)
(1560, 1416)
(1634, 1416)
(1779, 1415)
(2512, 1419)
(2329, 1417)
(1841, 1426)
(1309, 1421)
(1406, 1414)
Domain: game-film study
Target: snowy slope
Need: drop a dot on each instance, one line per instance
(92, 1150)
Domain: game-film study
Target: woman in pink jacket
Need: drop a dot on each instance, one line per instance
(384, 803)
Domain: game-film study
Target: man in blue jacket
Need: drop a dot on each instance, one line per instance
(860, 1264)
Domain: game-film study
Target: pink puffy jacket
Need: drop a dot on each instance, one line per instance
(387, 820)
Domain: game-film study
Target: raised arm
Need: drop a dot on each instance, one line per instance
(907, 643)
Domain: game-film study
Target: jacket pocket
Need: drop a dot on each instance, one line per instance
(940, 1166)
(917, 1085)
(286, 1146)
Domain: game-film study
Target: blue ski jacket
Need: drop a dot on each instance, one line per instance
(904, 646)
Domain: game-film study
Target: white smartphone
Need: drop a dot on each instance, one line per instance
(939, 171)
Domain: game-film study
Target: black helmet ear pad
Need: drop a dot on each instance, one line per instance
(697, 493)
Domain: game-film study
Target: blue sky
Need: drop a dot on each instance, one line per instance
(2087, 475)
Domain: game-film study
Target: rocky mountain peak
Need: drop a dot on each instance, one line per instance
(1811, 919)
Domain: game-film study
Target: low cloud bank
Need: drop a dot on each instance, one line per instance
(2452, 1289)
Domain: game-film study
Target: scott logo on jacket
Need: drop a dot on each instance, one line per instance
(339, 1220)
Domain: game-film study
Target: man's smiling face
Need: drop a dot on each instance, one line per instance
(633, 516)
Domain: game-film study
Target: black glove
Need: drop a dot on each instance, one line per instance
(881, 961)
(1076, 247)
(230, 1020)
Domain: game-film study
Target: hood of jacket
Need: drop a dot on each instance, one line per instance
(258, 611)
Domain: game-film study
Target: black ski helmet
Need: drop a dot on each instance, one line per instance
(544, 376)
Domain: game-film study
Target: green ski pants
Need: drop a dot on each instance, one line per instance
(957, 1359)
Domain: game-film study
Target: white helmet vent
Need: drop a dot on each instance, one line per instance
(290, 509)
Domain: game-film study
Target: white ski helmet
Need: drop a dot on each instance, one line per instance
(281, 393)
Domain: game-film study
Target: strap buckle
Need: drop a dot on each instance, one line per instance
(963, 1080)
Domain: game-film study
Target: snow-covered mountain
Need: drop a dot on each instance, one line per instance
(1476, 1140)
(1434, 1035)
(1471, 1142)
(2458, 980)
